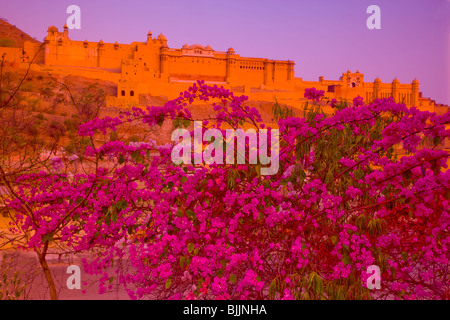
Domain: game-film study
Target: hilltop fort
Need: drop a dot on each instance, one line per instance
(152, 67)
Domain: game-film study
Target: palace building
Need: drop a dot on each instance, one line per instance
(152, 67)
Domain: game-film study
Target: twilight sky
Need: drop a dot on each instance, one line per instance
(323, 37)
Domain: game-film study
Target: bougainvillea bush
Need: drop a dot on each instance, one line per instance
(363, 186)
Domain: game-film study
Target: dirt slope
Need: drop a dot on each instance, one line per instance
(9, 31)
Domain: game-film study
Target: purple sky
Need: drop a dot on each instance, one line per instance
(323, 37)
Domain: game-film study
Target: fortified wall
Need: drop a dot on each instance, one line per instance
(152, 67)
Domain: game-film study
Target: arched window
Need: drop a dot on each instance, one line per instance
(122, 93)
(131, 93)
(353, 84)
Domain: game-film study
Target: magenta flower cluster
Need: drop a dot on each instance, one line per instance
(313, 94)
(340, 202)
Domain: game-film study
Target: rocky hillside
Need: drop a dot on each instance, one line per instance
(8, 31)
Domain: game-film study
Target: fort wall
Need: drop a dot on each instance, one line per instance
(152, 67)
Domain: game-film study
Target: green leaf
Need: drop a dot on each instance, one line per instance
(318, 285)
(404, 256)
(436, 141)
(200, 282)
(121, 205)
(168, 283)
(114, 217)
(258, 170)
(190, 213)
(108, 220)
(137, 157)
(333, 240)
(346, 260)
(329, 176)
(182, 260)
(358, 174)
(190, 247)
(121, 159)
(111, 279)
(160, 120)
(48, 237)
(233, 278)
(129, 230)
(186, 123)
(273, 288)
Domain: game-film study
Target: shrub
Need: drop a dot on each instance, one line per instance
(55, 129)
(5, 42)
(11, 285)
(27, 86)
(71, 124)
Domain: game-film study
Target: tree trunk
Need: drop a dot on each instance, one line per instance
(48, 275)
